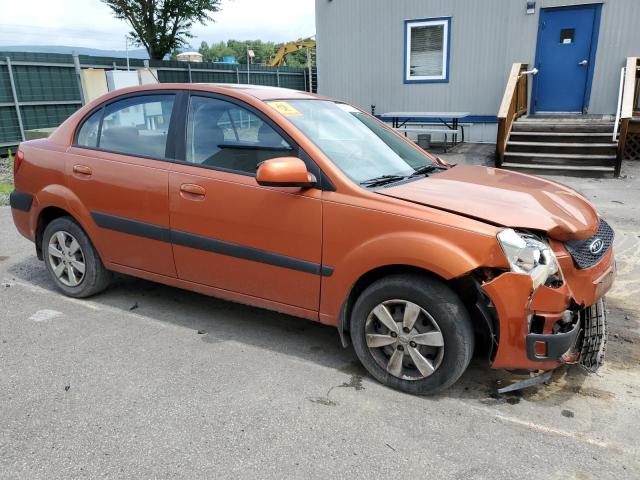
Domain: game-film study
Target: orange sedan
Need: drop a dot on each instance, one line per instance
(311, 207)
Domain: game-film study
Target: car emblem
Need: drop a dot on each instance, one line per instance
(596, 246)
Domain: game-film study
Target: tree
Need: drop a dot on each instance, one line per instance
(162, 25)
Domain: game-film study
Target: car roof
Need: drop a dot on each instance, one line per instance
(262, 92)
(259, 92)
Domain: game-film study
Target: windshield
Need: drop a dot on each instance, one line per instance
(358, 145)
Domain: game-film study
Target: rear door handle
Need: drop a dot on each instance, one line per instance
(192, 192)
(82, 170)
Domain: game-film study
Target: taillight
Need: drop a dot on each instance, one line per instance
(17, 161)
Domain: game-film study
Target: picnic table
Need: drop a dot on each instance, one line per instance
(449, 119)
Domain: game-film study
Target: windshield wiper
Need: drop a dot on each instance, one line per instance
(382, 180)
(385, 179)
(425, 169)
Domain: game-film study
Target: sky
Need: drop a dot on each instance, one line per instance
(89, 23)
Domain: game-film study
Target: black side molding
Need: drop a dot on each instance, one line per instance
(246, 253)
(199, 242)
(132, 227)
(20, 200)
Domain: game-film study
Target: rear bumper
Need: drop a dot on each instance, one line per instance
(20, 201)
(24, 207)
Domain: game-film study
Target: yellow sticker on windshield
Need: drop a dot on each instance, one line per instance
(285, 109)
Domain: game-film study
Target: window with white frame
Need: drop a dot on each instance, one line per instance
(427, 50)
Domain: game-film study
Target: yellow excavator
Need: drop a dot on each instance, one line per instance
(278, 59)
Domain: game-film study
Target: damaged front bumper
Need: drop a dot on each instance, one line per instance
(543, 328)
(584, 342)
(553, 346)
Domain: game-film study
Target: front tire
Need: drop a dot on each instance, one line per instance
(412, 333)
(71, 259)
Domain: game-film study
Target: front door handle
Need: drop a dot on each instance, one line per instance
(583, 63)
(192, 192)
(82, 170)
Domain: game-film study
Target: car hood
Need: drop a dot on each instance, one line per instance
(504, 198)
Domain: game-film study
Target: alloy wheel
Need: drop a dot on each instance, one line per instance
(404, 339)
(66, 258)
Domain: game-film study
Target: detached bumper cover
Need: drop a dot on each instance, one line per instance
(585, 343)
(554, 345)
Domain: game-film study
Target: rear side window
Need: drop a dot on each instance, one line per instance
(88, 134)
(224, 135)
(136, 125)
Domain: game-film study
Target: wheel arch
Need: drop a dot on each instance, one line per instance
(57, 201)
(466, 287)
(367, 279)
(45, 217)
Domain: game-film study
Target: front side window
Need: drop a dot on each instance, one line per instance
(427, 50)
(224, 135)
(359, 145)
(137, 125)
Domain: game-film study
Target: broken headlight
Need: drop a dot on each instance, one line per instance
(529, 255)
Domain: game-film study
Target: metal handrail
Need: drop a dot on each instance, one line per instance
(619, 108)
(533, 71)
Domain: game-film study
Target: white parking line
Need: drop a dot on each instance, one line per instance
(87, 303)
(580, 437)
(45, 315)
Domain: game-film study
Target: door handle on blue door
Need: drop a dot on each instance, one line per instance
(583, 63)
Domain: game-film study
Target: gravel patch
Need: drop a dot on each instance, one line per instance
(6, 175)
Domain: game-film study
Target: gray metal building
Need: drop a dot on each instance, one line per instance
(367, 50)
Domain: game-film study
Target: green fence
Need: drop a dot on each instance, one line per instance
(40, 90)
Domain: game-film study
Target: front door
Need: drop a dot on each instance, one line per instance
(227, 231)
(567, 40)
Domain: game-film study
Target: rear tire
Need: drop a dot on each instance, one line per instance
(72, 260)
(412, 333)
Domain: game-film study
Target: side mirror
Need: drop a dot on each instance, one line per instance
(284, 172)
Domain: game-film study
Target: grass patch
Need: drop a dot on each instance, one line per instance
(6, 188)
(6, 183)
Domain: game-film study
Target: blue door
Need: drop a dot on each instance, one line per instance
(567, 39)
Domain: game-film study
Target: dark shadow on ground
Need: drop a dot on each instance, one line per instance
(221, 320)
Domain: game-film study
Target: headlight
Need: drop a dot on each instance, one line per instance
(528, 254)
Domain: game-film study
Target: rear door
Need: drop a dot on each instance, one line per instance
(231, 233)
(117, 167)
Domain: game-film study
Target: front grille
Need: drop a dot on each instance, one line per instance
(580, 250)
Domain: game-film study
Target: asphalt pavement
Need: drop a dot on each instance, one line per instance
(148, 381)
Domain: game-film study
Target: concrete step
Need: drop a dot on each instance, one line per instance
(568, 118)
(559, 159)
(605, 168)
(566, 144)
(553, 148)
(571, 170)
(564, 156)
(568, 137)
(582, 127)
